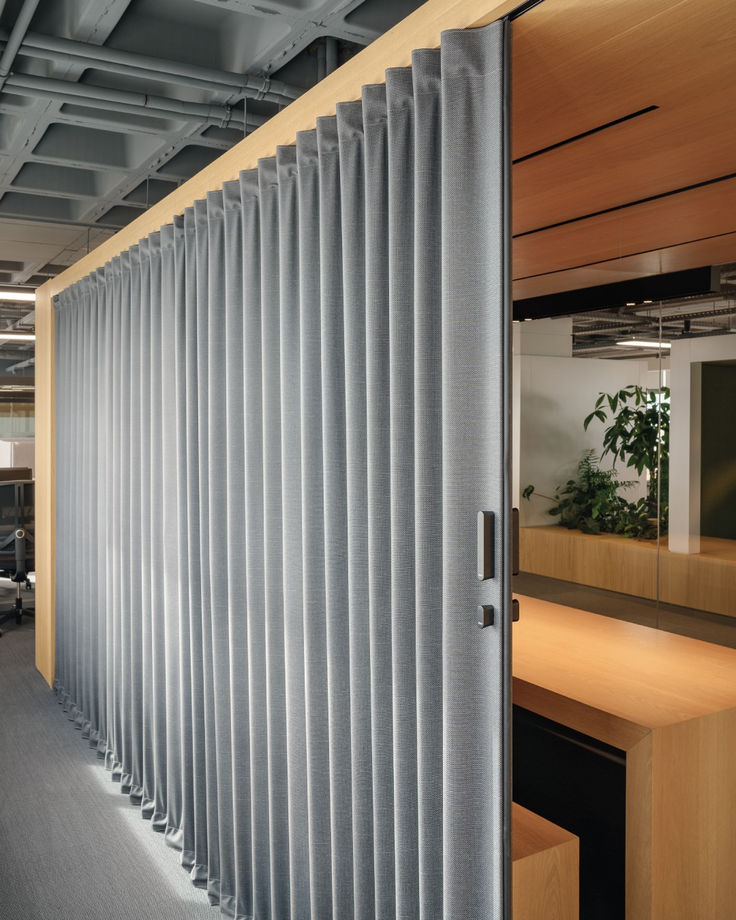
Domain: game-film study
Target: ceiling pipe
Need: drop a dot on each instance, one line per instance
(125, 101)
(15, 39)
(125, 62)
(14, 368)
(331, 58)
(113, 118)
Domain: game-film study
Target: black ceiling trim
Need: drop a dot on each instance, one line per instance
(523, 8)
(629, 204)
(669, 286)
(626, 255)
(578, 137)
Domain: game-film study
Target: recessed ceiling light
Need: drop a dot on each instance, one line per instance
(17, 296)
(644, 343)
(17, 337)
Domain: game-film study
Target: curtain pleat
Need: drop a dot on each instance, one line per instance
(277, 418)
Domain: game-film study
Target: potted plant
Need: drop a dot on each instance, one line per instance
(638, 434)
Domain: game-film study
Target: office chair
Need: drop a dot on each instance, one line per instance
(16, 543)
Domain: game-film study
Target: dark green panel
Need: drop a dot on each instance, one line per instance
(718, 452)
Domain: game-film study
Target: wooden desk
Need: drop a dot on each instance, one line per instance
(545, 868)
(669, 702)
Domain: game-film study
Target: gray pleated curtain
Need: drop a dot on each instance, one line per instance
(276, 420)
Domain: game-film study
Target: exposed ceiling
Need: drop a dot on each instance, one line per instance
(105, 107)
(602, 334)
(622, 147)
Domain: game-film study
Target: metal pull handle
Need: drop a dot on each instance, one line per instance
(514, 541)
(514, 611)
(485, 545)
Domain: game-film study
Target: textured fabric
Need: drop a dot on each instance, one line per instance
(277, 419)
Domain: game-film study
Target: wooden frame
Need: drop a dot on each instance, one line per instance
(422, 29)
(579, 72)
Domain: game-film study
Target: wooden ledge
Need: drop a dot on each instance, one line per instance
(546, 862)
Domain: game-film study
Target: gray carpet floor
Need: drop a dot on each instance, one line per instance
(71, 846)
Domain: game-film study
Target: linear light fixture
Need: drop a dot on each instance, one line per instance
(17, 337)
(17, 296)
(644, 343)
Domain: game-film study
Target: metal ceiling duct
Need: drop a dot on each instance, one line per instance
(126, 101)
(62, 50)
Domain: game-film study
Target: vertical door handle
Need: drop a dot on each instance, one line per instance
(514, 541)
(485, 545)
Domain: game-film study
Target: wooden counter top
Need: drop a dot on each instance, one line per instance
(669, 702)
(645, 677)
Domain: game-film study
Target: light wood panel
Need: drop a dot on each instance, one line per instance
(600, 560)
(643, 676)
(711, 251)
(649, 155)
(681, 693)
(580, 66)
(545, 868)
(665, 222)
(45, 496)
(702, 581)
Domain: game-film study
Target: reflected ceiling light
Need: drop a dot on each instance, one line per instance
(17, 296)
(644, 343)
(17, 337)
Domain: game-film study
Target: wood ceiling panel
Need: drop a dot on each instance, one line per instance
(579, 65)
(647, 156)
(660, 224)
(712, 251)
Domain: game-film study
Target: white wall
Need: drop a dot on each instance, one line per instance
(553, 396)
(17, 453)
(686, 359)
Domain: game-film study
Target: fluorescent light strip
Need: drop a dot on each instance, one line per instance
(644, 343)
(17, 337)
(18, 296)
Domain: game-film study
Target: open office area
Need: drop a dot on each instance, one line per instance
(378, 540)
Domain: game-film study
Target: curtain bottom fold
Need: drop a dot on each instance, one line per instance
(173, 835)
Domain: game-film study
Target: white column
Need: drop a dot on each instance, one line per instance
(685, 403)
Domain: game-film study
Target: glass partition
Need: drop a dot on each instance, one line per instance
(625, 464)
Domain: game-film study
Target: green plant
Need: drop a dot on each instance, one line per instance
(590, 502)
(639, 436)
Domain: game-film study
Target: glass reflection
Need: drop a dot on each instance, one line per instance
(624, 474)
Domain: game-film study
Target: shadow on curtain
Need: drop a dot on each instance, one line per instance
(276, 421)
